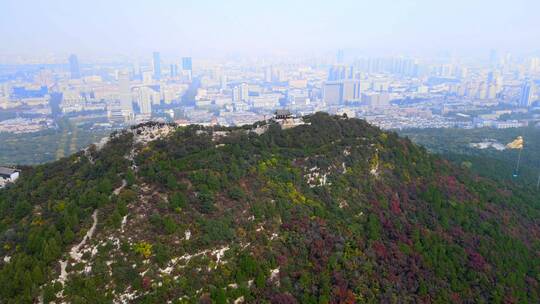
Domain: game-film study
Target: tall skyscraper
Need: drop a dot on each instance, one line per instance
(340, 57)
(156, 63)
(340, 72)
(527, 95)
(147, 77)
(136, 70)
(174, 70)
(124, 95)
(187, 68)
(145, 106)
(493, 58)
(187, 64)
(223, 82)
(74, 67)
(534, 64)
(241, 92)
(351, 90)
(145, 98)
(491, 77)
(376, 100)
(332, 93)
(268, 71)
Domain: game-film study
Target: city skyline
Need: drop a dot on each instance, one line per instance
(211, 28)
(175, 62)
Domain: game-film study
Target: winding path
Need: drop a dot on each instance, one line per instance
(117, 190)
(74, 253)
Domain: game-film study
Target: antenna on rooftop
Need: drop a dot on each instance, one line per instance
(516, 172)
(518, 143)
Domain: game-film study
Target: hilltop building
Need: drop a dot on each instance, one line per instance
(286, 120)
(8, 175)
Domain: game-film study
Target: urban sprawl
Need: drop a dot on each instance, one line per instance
(391, 92)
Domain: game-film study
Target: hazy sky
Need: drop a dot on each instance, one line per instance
(271, 26)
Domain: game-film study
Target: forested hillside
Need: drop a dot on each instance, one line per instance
(332, 211)
(454, 145)
(47, 145)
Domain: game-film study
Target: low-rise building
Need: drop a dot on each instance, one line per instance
(8, 175)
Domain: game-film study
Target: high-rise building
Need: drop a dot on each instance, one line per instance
(376, 100)
(236, 94)
(137, 70)
(146, 96)
(491, 77)
(278, 75)
(268, 71)
(241, 92)
(527, 95)
(402, 66)
(340, 57)
(187, 68)
(156, 63)
(244, 91)
(492, 91)
(493, 58)
(351, 90)
(223, 82)
(340, 72)
(74, 67)
(332, 93)
(336, 73)
(124, 95)
(187, 64)
(482, 91)
(298, 97)
(535, 64)
(5, 89)
(146, 106)
(147, 77)
(338, 92)
(174, 70)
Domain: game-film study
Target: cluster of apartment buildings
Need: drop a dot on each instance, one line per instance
(394, 92)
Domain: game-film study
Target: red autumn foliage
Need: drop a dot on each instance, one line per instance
(509, 299)
(476, 261)
(146, 283)
(343, 296)
(394, 205)
(456, 298)
(380, 249)
(403, 238)
(283, 298)
(453, 188)
(282, 260)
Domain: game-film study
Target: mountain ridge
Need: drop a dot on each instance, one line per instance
(334, 211)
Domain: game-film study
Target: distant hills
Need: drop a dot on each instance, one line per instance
(464, 148)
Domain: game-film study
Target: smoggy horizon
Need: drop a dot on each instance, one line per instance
(135, 29)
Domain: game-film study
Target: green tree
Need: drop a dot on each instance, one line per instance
(22, 209)
(373, 227)
(68, 235)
